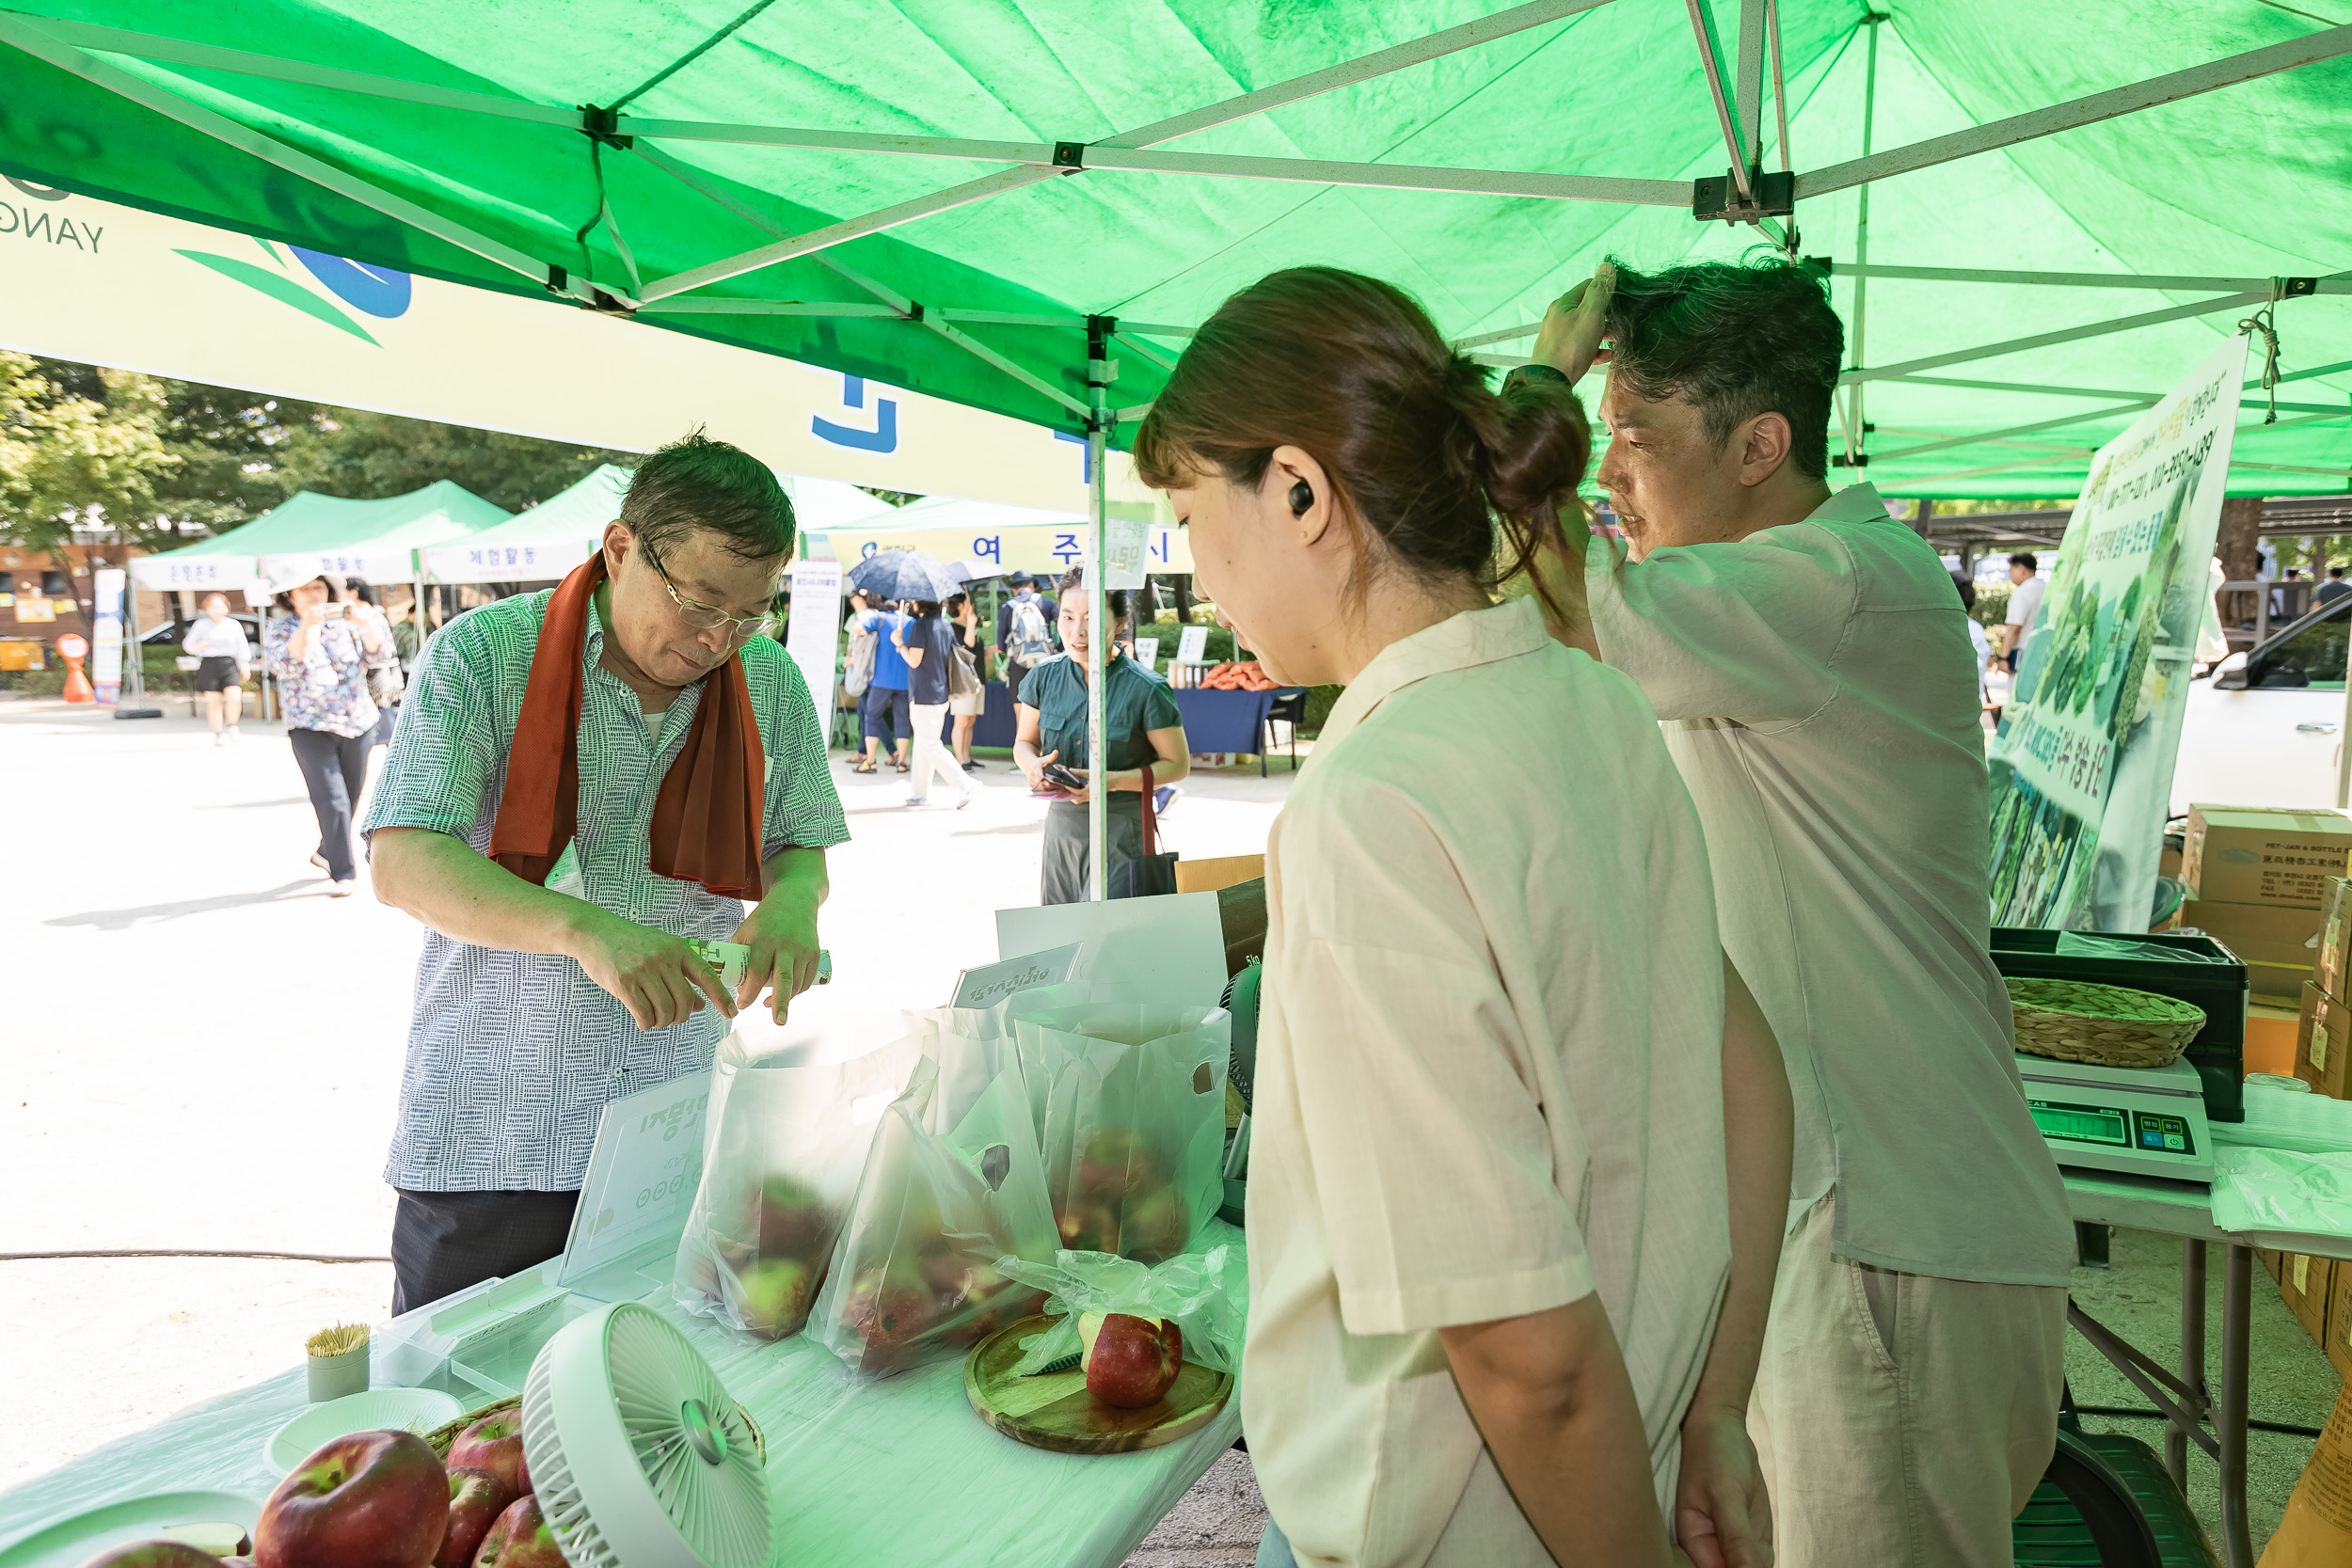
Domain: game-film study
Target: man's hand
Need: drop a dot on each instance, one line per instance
(660, 978)
(1570, 340)
(1722, 1516)
(781, 933)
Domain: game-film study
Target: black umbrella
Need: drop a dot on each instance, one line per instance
(904, 575)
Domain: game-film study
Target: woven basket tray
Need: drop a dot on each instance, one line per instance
(2074, 1020)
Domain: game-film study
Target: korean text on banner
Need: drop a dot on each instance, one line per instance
(2082, 765)
(814, 632)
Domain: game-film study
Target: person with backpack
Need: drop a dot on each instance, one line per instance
(1024, 631)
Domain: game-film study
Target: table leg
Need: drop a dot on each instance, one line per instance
(2229, 1408)
(2192, 1354)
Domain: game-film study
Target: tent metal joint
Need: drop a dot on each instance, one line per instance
(603, 125)
(1773, 195)
(1070, 154)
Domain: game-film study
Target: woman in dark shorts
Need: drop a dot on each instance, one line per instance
(221, 644)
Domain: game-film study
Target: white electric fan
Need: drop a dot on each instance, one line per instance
(639, 1456)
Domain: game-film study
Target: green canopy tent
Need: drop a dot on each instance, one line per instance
(2037, 218)
(376, 540)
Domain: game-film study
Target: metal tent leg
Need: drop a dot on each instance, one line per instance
(2229, 1408)
(2192, 1354)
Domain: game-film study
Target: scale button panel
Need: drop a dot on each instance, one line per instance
(2170, 1134)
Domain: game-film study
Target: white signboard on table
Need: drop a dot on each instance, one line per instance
(642, 1175)
(815, 635)
(1168, 950)
(989, 984)
(1148, 652)
(2082, 765)
(1192, 645)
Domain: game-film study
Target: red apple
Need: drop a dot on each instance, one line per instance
(519, 1539)
(155, 1554)
(494, 1442)
(373, 1499)
(1130, 1362)
(476, 1498)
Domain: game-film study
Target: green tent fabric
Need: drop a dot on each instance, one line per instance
(375, 539)
(449, 139)
(539, 543)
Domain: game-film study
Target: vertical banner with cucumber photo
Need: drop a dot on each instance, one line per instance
(2082, 765)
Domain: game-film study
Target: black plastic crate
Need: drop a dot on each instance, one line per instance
(2217, 1052)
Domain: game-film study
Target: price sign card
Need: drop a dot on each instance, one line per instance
(642, 1175)
(1192, 645)
(989, 984)
(1148, 652)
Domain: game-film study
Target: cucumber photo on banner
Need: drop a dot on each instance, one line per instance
(2082, 764)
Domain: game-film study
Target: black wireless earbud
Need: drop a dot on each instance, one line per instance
(1302, 496)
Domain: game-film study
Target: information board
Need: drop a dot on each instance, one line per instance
(2082, 765)
(642, 1175)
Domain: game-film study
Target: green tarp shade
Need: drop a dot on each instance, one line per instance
(368, 538)
(2249, 181)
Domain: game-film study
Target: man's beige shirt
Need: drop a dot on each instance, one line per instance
(1815, 683)
(1490, 1081)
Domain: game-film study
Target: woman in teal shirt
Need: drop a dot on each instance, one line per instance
(1142, 727)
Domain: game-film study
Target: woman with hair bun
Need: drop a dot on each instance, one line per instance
(1489, 1229)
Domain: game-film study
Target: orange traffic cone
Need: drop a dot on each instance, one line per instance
(77, 687)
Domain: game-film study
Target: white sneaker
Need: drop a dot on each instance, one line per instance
(234, 739)
(918, 799)
(219, 739)
(344, 889)
(320, 860)
(971, 793)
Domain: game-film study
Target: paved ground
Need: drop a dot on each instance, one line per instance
(203, 1048)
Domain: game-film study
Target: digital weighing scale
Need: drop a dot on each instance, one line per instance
(2148, 1121)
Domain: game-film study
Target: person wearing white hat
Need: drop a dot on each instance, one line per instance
(320, 652)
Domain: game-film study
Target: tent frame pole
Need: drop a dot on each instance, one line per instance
(21, 33)
(1854, 429)
(1101, 631)
(2108, 392)
(1996, 135)
(2043, 340)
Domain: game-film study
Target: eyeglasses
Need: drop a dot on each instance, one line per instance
(706, 617)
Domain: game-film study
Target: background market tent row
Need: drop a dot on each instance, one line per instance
(376, 540)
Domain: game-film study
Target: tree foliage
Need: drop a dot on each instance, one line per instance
(161, 463)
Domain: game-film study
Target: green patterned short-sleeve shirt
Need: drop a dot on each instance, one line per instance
(512, 1057)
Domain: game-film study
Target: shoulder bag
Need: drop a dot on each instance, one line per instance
(1150, 873)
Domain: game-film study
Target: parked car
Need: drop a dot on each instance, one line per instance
(2266, 728)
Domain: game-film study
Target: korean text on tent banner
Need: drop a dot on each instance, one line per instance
(2082, 767)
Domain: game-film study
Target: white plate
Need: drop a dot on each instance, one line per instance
(417, 1410)
(77, 1540)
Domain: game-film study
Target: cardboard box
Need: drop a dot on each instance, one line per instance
(2323, 1042)
(2275, 942)
(2251, 855)
(2332, 957)
(2305, 1285)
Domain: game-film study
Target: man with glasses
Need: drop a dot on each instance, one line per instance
(584, 783)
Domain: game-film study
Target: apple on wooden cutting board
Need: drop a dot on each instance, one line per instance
(1130, 1362)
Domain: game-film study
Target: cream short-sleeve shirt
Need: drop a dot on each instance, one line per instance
(1489, 1081)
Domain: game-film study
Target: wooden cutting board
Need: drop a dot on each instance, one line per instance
(1054, 1411)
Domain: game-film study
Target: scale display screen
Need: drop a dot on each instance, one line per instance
(2114, 1127)
(2085, 1124)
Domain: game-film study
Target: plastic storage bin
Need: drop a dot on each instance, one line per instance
(2218, 1051)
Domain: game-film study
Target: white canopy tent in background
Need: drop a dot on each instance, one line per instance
(544, 542)
(376, 540)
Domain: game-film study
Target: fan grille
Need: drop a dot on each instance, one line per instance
(720, 1511)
